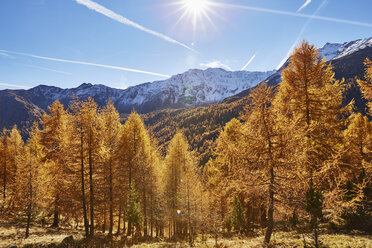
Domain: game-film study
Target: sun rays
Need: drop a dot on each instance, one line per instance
(197, 11)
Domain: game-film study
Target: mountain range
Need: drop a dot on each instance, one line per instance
(193, 88)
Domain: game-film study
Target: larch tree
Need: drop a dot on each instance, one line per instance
(155, 189)
(111, 135)
(309, 97)
(358, 143)
(150, 175)
(55, 145)
(133, 210)
(91, 125)
(181, 180)
(15, 146)
(366, 85)
(264, 145)
(134, 151)
(250, 157)
(28, 188)
(220, 180)
(3, 163)
(79, 149)
(173, 175)
(357, 158)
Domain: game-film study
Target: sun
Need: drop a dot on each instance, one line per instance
(196, 6)
(197, 11)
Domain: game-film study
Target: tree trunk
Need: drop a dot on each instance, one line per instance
(56, 217)
(130, 174)
(144, 212)
(104, 219)
(118, 231)
(270, 222)
(315, 227)
(151, 215)
(111, 200)
(4, 179)
(169, 229)
(270, 214)
(188, 213)
(91, 187)
(86, 223)
(129, 231)
(28, 221)
(124, 221)
(29, 209)
(132, 232)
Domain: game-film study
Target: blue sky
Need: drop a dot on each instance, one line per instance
(68, 42)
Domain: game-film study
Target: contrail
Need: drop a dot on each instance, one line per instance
(88, 63)
(119, 18)
(14, 86)
(246, 65)
(304, 5)
(300, 35)
(288, 13)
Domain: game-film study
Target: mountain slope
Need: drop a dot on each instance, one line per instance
(17, 110)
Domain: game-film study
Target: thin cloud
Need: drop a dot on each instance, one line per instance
(88, 63)
(49, 69)
(5, 55)
(288, 13)
(119, 18)
(304, 5)
(216, 64)
(246, 65)
(18, 86)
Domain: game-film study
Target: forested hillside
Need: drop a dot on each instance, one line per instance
(200, 125)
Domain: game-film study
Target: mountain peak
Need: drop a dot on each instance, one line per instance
(85, 85)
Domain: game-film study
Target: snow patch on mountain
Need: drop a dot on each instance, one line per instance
(329, 50)
(196, 87)
(335, 50)
(354, 46)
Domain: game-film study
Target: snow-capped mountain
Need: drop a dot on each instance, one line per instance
(335, 50)
(192, 88)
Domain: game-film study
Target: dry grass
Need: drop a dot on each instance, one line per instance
(13, 235)
(279, 239)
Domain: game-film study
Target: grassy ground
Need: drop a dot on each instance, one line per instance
(280, 239)
(13, 235)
